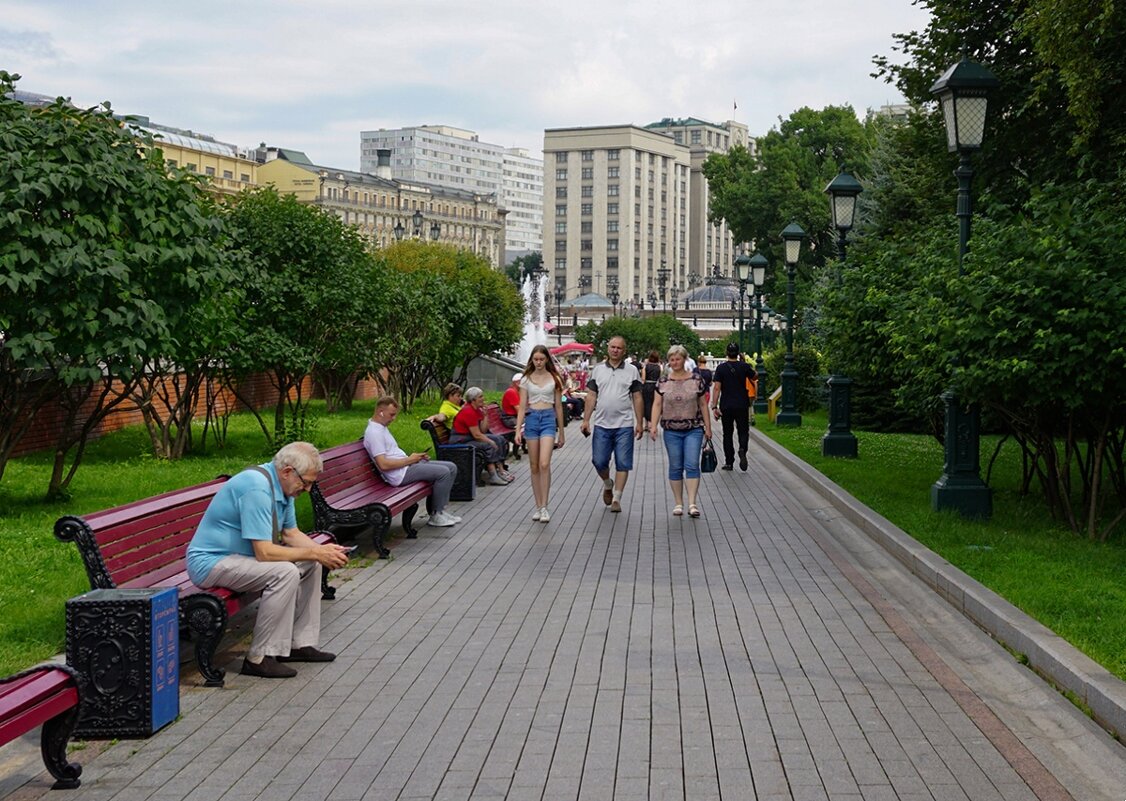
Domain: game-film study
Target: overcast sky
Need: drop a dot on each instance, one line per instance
(311, 74)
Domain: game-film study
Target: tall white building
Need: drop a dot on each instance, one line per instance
(621, 202)
(442, 155)
(522, 195)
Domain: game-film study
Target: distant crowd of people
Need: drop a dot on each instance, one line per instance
(248, 539)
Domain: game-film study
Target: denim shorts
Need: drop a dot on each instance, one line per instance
(618, 441)
(684, 449)
(539, 423)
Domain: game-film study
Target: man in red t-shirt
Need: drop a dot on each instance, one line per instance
(510, 401)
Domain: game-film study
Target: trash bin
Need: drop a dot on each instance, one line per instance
(127, 645)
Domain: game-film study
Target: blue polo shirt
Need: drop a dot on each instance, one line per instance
(238, 514)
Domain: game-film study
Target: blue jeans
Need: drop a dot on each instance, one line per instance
(618, 441)
(684, 449)
(539, 423)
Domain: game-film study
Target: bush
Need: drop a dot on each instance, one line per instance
(811, 378)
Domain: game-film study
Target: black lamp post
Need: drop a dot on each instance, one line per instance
(674, 292)
(612, 283)
(652, 300)
(963, 91)
(662, 283)
(743, 274)
(558, 315)
(839, 439)
(758, 273)
(435, 231)
(399, 230)
(792, 236)
(416, 218)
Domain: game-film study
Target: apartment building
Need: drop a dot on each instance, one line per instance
(385, 208)
(616, 208)
(227, 168)
(709, 245)
(522, 196)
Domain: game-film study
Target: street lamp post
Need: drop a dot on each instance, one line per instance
(558, 315)
(792, 236)
(839, 439)
(399, 230)
(963, 91)
(416, 219)
(435, 231)
(652, 300)
(742, 273)
(662, 283)
(612, 294)
(674, 292)
(758, 274)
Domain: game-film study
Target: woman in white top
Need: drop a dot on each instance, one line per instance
(539, 422)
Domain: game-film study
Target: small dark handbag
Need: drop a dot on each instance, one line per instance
(708, 460)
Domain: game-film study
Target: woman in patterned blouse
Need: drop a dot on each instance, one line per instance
(682, 409)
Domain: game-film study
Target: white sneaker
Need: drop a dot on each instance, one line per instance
(496, 480)
(536, 515)
(545, 516)
(441, 519)
(449, 516)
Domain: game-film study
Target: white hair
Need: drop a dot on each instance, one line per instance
(473, 393)
(301, 456)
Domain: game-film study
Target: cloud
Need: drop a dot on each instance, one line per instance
(296, 72)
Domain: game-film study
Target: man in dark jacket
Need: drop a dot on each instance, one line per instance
(731, 403)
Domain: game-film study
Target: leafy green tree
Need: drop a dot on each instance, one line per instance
(103, 253)
(305, 282)
(642, 334)
(522, 267)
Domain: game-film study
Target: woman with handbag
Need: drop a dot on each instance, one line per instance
(682, 409)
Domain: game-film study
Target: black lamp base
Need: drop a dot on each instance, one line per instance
(839, 444)
(969, 498)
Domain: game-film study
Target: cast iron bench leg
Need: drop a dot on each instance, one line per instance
(206, 617)
(408, 518)
(381, 524)
(328, 593)
(52, 743)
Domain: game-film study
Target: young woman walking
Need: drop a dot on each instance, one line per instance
(539, 422)
(682, 409)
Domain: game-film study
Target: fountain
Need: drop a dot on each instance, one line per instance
(534, 290)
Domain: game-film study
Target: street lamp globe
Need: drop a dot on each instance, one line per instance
(793, 235)
(399, 230)
(416, 219)
(435, 231)
(843, 191)
(758, 269)
(963, 90)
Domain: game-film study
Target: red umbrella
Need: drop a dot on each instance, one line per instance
(572, 347)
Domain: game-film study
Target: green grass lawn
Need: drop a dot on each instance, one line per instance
(1073, 586)
(38, 573)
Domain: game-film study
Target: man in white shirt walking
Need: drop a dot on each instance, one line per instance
(613, 401)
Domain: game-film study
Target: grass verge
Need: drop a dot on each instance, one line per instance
(38, 573)
(1070, 584)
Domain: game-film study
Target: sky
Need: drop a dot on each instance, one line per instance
(311, 74)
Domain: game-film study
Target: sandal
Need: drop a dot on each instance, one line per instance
(693, 510)
(678, 510)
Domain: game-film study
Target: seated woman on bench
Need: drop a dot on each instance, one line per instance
(469, 427)
(398, 468)
(451, 405)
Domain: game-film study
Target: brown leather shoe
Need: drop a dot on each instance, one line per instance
(268, 668)
(307, 653)
(607, 496)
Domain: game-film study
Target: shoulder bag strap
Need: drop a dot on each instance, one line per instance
(276, 532)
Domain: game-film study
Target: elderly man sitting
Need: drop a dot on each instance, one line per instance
(248, 541)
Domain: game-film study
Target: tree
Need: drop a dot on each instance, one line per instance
(307, 302)
(642, 334)
(522, 267)
(103, 253)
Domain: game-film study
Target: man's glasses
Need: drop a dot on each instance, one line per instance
(306, 484)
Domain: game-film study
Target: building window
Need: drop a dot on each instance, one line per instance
(678, 137)
(612, 263)
(612, 172)
(612, 226)
(637, 173)
(586, 245)
(170, 162)
(612, 190)
(561, 158)
(586, 264)
(586, 227)
(695, 137)
(561, 210)
(612, 155)
(588, 191)
(244, 177)
(209, 170)
(588, 155)
(611, 244)
(560, 227)
(560, 175)
(587, 209)
(561, 265)
(588, 173)
(561, 192)
(560, 245)
(191, 167)
(611, 208)
(228, 175)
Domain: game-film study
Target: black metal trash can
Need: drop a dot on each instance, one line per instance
(126, 643)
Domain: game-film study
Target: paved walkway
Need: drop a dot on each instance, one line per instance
(764, 651)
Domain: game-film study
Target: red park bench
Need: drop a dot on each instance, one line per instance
(47, 696)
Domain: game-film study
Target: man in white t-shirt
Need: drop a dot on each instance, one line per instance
(398, 468)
